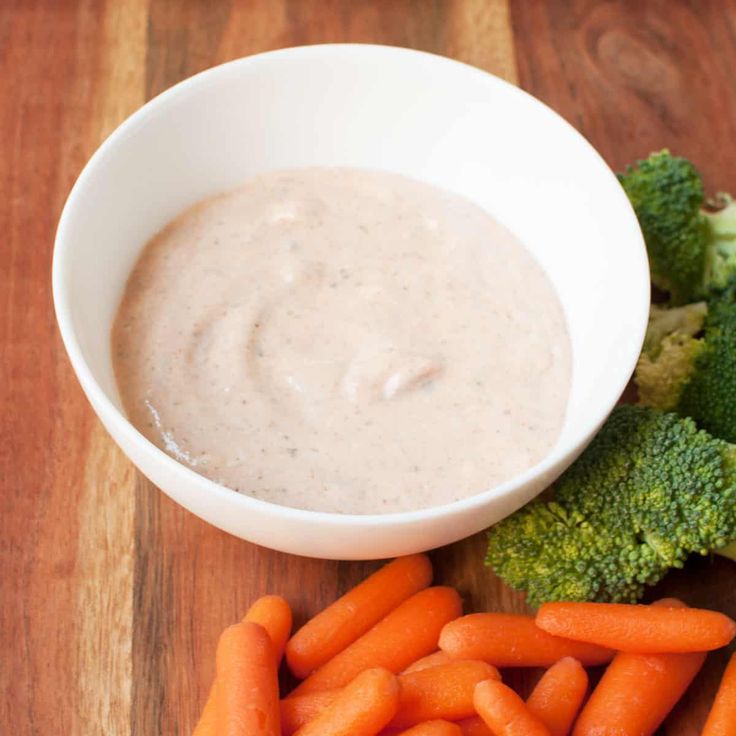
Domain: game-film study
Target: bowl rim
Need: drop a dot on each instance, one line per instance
(110, 414)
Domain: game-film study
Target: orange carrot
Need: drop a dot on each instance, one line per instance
(409, 632)
(247, 683)
(638, 629)
(558, 696)
(433, 728)
(474, 726)
(444, 691)
(274, 614)
(505, 712)
(637, 691)
(362, 708)
(511, 640)
(297, 710)
(349, 617)
(431, 660)
(722, 717)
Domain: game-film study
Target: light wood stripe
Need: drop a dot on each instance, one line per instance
(104, 595)
(106, 511)
(480, 34)
(120, 84)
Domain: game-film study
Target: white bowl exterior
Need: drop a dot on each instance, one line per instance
(365, 106)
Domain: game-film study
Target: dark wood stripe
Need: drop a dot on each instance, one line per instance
(183, 39)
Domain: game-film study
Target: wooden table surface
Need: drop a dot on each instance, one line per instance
(111, 596)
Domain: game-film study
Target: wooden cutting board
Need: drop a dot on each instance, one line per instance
(112, 597)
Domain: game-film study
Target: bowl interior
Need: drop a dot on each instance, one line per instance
(378, 107)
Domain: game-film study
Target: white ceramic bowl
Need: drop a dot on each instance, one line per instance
(367, 106)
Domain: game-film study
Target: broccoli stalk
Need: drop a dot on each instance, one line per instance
(688, 364)
(728, 551)
(720, 256)
(648, 491)
(666, 363)
(692, 249)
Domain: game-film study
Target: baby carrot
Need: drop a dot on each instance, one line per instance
(444, 691)
(511, 640)
(409, 632)
(505, 712)
(300, 709)
(638, 629)
(637, 691)
(349, 617)
(433, 728)
(474, 726)
(274, 614)
(362, 708)
(722, 718)
(558, 696)
(247, 683)
(431, 660)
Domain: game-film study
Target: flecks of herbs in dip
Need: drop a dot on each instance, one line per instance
(343, 340)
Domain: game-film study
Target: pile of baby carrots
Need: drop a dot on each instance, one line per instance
(395, 656)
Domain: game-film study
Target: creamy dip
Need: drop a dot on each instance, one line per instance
(343, 340)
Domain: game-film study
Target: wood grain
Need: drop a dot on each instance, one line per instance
(635, 77)
(112, 596)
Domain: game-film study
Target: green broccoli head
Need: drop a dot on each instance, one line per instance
(692, 249)
(667, 195)
(648, 491)
(688, 364)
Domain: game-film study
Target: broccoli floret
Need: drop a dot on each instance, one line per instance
(691, 247)
(667, 195)
(693, 375)
(648, 491)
